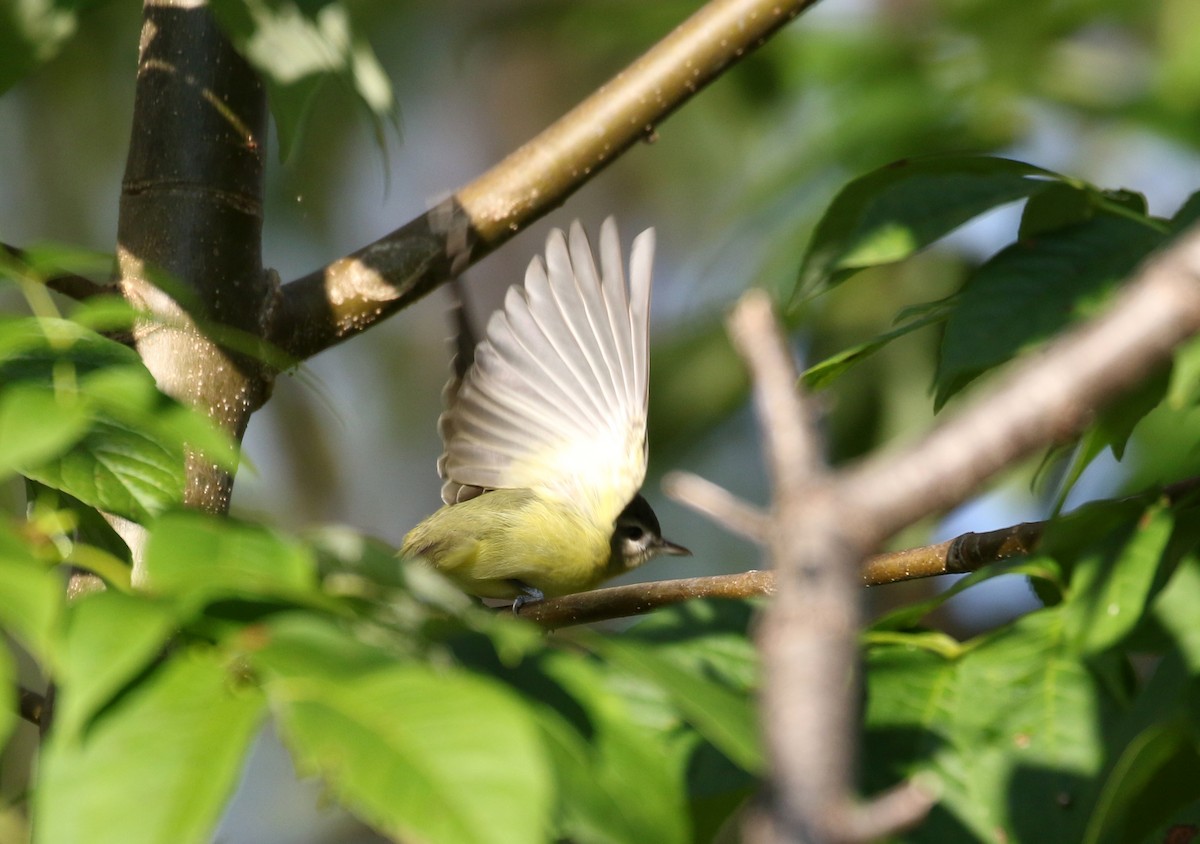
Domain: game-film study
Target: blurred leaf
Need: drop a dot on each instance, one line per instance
(905, 617)
(31, 596)
(1017, 765)
(1184, 389)
(1112, 429)
(725, 717)
(37, 425)
(1154, 776)
(8, 681)
(48, 259)
(621, 783)
(1114, 579)
(199, 557)
(1187, 215)
(418, 753)
(297, 46)
(109, 639)
(32, 32)
(1033, 289)
(1175, 608)
(894, 211)
(158, 766)
(821, 375)
(1058, 206)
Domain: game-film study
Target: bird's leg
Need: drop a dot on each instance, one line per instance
(529, 595)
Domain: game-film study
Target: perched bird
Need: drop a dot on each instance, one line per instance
(545, 435)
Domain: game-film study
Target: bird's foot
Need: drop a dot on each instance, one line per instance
(529, 595)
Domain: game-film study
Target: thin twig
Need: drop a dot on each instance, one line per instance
(640, 598)
(354, 292)
(717, 503)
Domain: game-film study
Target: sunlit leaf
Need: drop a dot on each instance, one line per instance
(297, 46)
(109, 638)
(158, 767)
(892, 212)
(419, 753)
(199, 557)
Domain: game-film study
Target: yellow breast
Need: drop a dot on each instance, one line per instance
(492, 544)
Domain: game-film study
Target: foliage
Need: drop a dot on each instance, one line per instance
(434, 719)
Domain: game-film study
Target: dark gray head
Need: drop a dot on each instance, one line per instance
(638, 537)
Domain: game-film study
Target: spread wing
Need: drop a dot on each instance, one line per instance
(555, 400)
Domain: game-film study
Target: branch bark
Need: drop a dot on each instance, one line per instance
(823, 526)
(189, 231)
(353, 293)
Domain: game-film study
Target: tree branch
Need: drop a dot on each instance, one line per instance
(191, 210)
(69, 284)
(353, 293)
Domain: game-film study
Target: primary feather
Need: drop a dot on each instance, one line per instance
(555, 401)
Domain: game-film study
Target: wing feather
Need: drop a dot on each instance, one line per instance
(556, 398)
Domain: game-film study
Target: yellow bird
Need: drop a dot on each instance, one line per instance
(545, 438)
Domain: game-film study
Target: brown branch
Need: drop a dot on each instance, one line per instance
(641, 598)
(353, 293)
(69, 284)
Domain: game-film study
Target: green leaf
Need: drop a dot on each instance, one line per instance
(620, 782)
(120, 470)
(894, 211)
(109, 639)
(1154, 776)
(1011, 727)
(823, 374)
(199, 558)
(31, 596)
(908, 616)
(8, 679)
(1058, 206)
(37, 425)
(1032, 290)
(1184, 389)
(418, 753)
(158, 766)
(296, 46)
(1114, 580)
(32, 33)
(1175, 609)
(726, 718)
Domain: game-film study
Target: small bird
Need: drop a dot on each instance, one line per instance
(545, 435)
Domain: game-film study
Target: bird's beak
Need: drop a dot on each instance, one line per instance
(671, 549)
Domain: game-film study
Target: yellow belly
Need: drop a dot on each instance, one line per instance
(493, 544)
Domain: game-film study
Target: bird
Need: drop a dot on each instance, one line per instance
(544, 433)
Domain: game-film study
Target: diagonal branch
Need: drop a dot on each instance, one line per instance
(354, 292)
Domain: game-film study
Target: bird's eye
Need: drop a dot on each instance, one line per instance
(634, 533)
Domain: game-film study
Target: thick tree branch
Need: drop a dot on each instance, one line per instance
(353, 293)
(191, 211)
